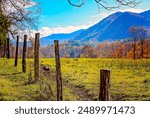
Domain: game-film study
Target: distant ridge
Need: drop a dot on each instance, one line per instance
(61, 37)
(114, 27)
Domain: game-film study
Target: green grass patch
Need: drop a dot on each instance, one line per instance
(130, 79)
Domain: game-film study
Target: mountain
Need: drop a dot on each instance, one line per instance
(114, 27)
(146, 14)
(61, 37)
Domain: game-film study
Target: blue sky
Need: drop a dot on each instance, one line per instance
(59, 16)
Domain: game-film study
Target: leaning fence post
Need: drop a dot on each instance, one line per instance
(24, 54)
(104, 93)
(16, 55)
(36, 57)
(58, 72)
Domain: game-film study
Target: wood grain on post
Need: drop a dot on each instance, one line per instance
(0, 48)
(24, 54)
(3, 48)
(16, 55)
(104, 93)
(8, 50)
(36, 57)
(58, 72)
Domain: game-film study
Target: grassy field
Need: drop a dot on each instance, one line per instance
(130, 79)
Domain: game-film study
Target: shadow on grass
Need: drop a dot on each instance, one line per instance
(11, 74)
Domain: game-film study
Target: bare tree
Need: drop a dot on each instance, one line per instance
(109, 5)
(16, 16)
(3, 32)
(142, 35)
(133, 39)
(138, 33)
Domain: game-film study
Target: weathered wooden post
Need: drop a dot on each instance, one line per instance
(5, 48)
(24, 54)
(58, 72)
(16, 55)
(8, 50)
(104, 93)
(36, 57)
(0, 48)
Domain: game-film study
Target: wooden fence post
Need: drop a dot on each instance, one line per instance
(0, 47)
(16, 55)
(8, 50)
(104, 93)
(3, 48)
(24, 54)
(36, 57)
(58, 72)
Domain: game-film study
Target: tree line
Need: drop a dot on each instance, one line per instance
(135, 47)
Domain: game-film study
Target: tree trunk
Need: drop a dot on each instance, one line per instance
(24, 54)
(148, 45)
(8, 50)
(104, 94)
(0, 48)
(58, 72)
(16, 55)
(3, 48)
(36, 57)
(142, 49)
(134, 51)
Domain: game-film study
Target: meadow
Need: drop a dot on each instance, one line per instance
(130, 79)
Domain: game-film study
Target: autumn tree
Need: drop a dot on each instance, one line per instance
(104, 49)
(88, 52)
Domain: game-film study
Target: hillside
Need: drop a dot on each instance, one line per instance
(114, 27)
(61, 37)
(146, 14)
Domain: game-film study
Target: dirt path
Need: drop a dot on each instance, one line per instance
(80, 91)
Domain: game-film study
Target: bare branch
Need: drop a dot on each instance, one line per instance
(107, 4)
(18, 16)
(77, 5)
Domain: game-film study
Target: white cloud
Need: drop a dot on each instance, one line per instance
(133, 10)
(45, 31)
